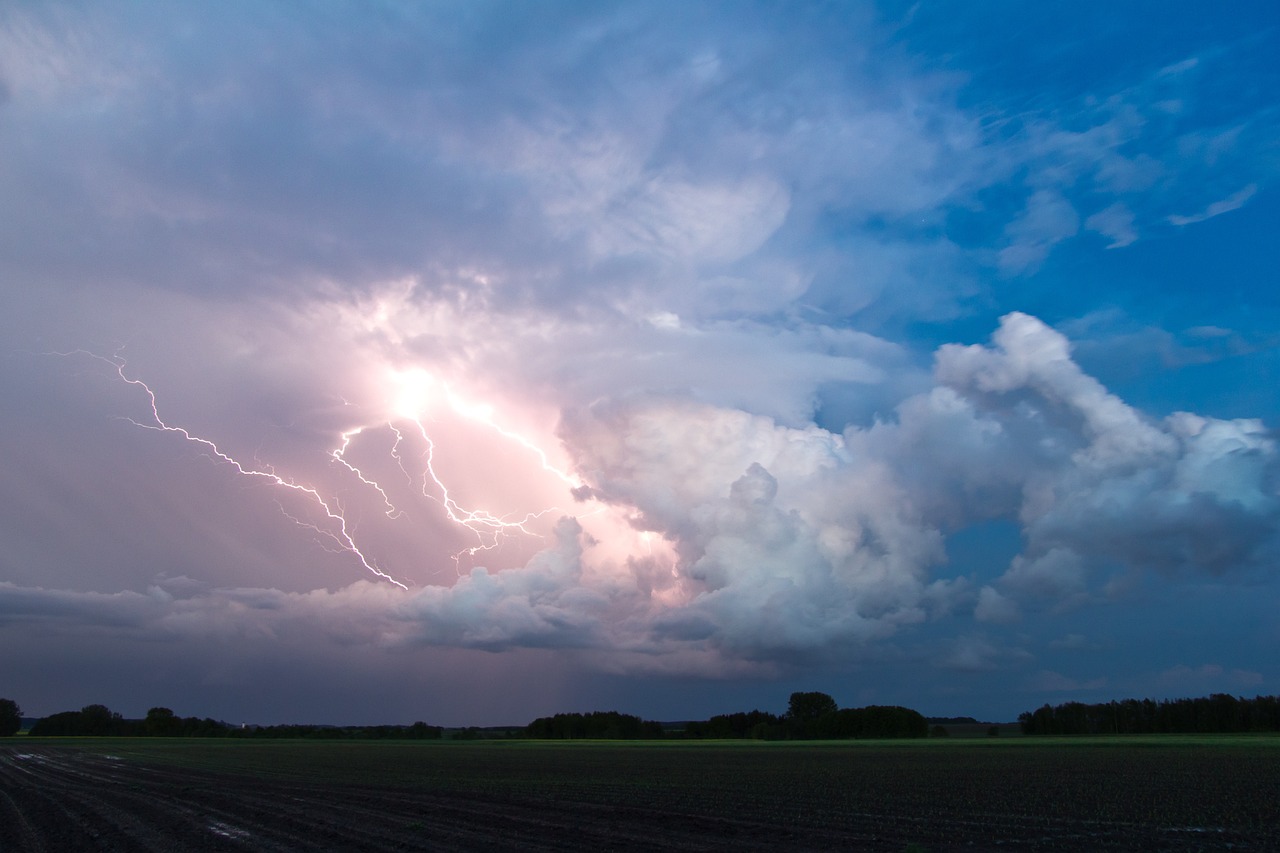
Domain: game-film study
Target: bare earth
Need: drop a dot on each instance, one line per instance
(55, 798)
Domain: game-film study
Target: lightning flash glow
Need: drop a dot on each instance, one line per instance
(416, 398)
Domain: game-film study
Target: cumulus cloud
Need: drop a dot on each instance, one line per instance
(1106, 482)
(994, 607)
(545, 603)
(785, 538)
(1057, 575)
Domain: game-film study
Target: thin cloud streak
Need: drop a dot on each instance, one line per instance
(1235, 201)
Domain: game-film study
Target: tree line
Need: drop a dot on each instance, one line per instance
(815, 716)
(809, 716)
(101, 721)
(602, 725)
(1218, 713)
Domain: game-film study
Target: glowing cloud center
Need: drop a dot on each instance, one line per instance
(415, 391)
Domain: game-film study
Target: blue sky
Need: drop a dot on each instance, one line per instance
(474, 361)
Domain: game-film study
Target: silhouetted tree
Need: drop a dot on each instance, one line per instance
(810, 706)
(10, 718)
(97, 720)
(808, 715)
(162, 722)
(422, 731)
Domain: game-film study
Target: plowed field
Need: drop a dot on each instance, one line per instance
(153, 795)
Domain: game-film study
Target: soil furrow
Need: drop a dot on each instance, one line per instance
(282, 799)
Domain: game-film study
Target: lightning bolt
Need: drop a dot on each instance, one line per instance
(340, 533)
(484, 416)
(415, 388)
(338, 454)
(489, 529)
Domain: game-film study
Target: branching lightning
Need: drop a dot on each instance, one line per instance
(488, 528)
(339, 455)
(415, 388)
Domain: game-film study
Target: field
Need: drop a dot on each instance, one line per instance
(1151, 793)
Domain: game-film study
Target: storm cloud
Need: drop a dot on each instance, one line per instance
(733, 348)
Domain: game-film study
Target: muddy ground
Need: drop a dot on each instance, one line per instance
(60, 798)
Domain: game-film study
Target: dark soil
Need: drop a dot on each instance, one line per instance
(56, 797)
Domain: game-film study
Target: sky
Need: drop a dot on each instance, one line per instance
(470, 362)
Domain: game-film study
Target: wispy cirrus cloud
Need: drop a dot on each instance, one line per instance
(1235, 201)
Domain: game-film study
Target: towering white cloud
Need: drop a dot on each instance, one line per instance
(1098, 478)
